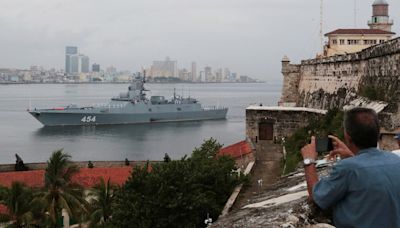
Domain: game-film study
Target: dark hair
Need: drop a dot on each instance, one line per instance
(362, 125)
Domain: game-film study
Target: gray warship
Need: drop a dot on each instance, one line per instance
(132, 107)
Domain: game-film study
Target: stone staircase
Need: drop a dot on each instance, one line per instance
(266, 171)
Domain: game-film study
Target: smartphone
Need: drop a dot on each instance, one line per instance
(323, 144)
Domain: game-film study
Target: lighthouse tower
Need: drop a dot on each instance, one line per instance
(380, 16)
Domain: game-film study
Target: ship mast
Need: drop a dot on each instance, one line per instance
(355, 13)
(321, 32)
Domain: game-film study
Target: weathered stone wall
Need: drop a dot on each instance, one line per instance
(285, 122)
(334, 81)
(290, 90)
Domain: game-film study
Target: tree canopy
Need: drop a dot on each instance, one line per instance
(177, 193)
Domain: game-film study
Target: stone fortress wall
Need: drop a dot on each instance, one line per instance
(331, 82)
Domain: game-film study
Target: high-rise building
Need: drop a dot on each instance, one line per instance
(227, 74)
(208, 74)
(111, 70)
(69, 51)
(74, 64)
(84, 63)
(184, 74)
(194, 72)
(219, 75)
(96, 67)
(234, 76)
(166, 68)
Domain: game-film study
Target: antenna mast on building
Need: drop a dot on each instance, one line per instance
(355, 13)
(321, 32)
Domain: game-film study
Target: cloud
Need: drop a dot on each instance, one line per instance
(248, 36)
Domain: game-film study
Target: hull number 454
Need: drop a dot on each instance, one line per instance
(88, 119)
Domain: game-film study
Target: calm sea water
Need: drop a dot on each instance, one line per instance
(21, 133)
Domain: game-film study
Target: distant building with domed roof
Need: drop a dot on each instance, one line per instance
(345, 41)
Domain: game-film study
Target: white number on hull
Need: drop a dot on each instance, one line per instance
(88, 119)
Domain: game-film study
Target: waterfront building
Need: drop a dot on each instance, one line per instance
(208, 77)
(194, 72)
(96, 67)
(219, 75)
(184, 74)
(164, 68)
(345, 41)
(111, 70)
(227, 74)
(201, 77)
(233, 76)
(84, 63)
(74, 64)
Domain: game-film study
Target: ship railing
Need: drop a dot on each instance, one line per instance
(108, 106)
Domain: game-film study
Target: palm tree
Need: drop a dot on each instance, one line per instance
(102, 196)
(59, 192)
(17, 199)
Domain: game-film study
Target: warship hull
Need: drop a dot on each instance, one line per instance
(64, 118)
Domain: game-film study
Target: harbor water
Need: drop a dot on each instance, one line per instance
(21, 134)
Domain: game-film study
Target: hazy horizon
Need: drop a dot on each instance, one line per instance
(248, 37)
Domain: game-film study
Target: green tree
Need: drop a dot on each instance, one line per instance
(331, 123)
(102, 196)
(59, 192)
(177, 193)
(18, 201)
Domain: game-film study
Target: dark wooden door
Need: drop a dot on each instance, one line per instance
(266, 131)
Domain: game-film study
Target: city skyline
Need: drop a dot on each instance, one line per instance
(250, 36)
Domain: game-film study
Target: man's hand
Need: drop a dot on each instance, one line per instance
(339, 148)
(309, 151)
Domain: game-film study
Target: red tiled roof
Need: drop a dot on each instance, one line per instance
(236, 150)
(90, 177)
(34, 178)
(358, 31)
(86, 177)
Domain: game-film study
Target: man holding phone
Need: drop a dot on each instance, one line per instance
(363, 188)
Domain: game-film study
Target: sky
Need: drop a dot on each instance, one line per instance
(249, 37)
